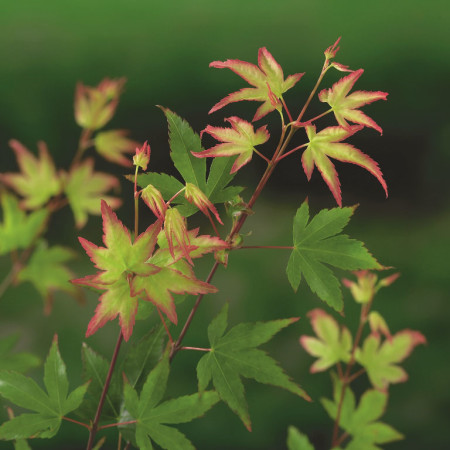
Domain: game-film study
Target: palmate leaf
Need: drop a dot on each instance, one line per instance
(38, 180)
(361, 422)
(46, 271)
(318, 243)
(240, 140)
(114, 146)
(49, 406)
(234, 355)
(19, 362)
(380, 359)
(18, 230)
(183, 140)
(267, 79)
(331, 345)
(346, 107)
(327, 144)
(152, 416)
(85, 189)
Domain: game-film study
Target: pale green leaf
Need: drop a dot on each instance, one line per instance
(297, 440)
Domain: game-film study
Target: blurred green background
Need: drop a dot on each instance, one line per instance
(163, 49)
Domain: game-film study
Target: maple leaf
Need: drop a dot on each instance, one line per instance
(85, 188)
(331, 345)
(361, 422)
(297, 440)
(114, 145)
(45, 270)
(345, 107)
(49, 406)
(327, 143)
(152, 415)
(119, 260)
(319, 242)
(380, 360)
(19, 230)
(234, 355)
(240, 139)
(38, 180)
(267, 79)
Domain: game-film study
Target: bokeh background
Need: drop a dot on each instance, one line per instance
(163, 49)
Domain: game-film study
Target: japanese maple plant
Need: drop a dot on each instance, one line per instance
(145, 274)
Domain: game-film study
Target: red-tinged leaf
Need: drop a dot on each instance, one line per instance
(327, 143)
(114, 146)
(380, 359)
(154, 200)
(38, 180)
(158, 287)
(240, 139)
(195, 196)
(176, 233)
(119, 261)
(331, 344)
(116, 301)
(346, 107)
(85, 189)
(119, 255)
(267, 79)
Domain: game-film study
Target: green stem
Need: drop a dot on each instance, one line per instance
(118, 424)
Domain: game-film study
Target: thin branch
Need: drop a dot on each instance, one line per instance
(291, 151)
(286, 109)
(198, 349)
(261, 155)
(356, 375)
(94, 427)
(165, 325)
(118, 424)
(76, 421)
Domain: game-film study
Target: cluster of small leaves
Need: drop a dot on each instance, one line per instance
(379, 359)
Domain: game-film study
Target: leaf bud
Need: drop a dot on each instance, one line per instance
(154, 200)
(142, 156)
(195, 196)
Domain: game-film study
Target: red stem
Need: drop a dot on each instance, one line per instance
(94, 427)
(286, 109)
(165, 325)
(77, 422)
(118, 424)
(198, 349)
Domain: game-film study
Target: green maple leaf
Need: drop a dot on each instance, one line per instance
(45, 270)
(234, 355)
(380, 359)
(345, 107)
(361, 422)
(240, 140)
(152, 416)
(331, 345)
(38, 180)
(18, 230)
(183, 140)
(20, 362)
(327, 144)
(267, 79)
(318, 243)
(49, 406)
(297, 440)
(85, 189)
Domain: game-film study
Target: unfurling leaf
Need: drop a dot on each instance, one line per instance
(361, 422)
(267, 79)
(318, 243)
(176, 233)
(142, 157)
(240, 139)
(20, 362)
(195, 196)
(49, 406)
(19, 230)
(327, 144)
(95, 106)
(345, 107)
(46, 271)
(152, 416)
(114, 146)
(330, 53)
(234, 355)
(331, 345)
(380, 359)
(154, 200)
(85, 189)
(38, 180)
